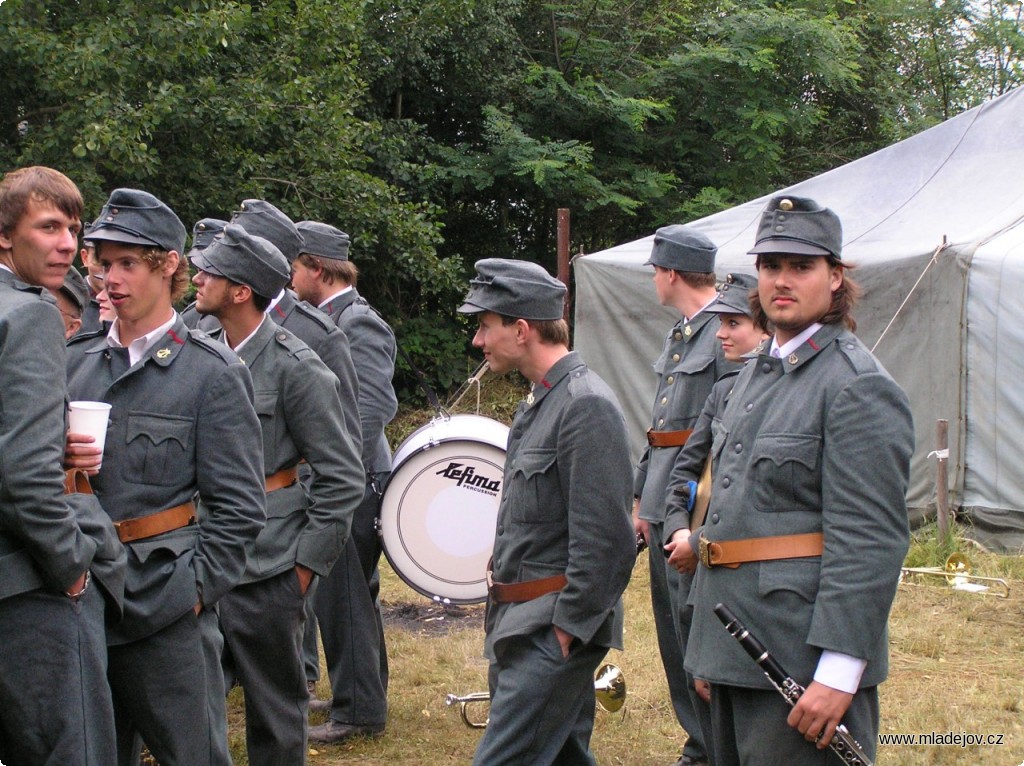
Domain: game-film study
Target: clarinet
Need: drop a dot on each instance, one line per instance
(843, 743)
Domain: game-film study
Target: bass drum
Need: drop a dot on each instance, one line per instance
(440, 506)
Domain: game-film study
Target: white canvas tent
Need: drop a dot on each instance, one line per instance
(935, 226)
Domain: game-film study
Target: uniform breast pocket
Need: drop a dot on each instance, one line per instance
(678, 384)
(156, 445)
(536, 495)
(787, 472)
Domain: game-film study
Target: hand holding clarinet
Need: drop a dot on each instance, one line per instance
(841, 742)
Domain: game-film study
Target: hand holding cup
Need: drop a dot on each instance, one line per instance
(87, 434)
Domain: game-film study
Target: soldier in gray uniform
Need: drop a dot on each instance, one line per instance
(182, 423)
(689, 365)
(564, 547)
(346, 601)
(203, 232)
(301, 415)
(55, 702)
(807, 525)
(318, 331)
(739, 335)
(91, 321)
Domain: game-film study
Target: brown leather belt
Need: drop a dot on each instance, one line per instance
(156, 523)
(516, 592)
(283, 478)
(668, 438)
(732, 553)
(76, 482)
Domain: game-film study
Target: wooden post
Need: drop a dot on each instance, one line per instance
(942, 479)
(563, 256)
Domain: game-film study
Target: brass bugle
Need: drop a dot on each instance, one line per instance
(957, 574)
(609, 689)
(464, 703)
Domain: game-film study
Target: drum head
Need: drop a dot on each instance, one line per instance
(440, 507)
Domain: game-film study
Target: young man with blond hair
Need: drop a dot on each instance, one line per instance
(182, 424)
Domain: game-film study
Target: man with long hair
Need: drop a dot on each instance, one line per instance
(807, 524)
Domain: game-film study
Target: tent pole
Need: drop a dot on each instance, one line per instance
(942, 480)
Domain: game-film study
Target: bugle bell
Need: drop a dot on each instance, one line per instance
(957, 574)
(609, 689)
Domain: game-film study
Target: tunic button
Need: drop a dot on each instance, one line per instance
(671, 379)
(739, 448)
(749, 407)
(677, 335)
(714, 518)
(726, 481)
(664, 400)
(497, 564)
(661, 422)
(501, 529)
(675, 357)
(766, 367)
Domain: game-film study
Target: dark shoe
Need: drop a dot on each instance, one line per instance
(319, 706)
(333, 732)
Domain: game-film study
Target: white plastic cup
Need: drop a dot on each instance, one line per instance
(89, 418)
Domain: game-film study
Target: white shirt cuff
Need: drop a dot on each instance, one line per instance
(840, 671)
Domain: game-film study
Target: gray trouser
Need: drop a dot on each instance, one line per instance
(749, 729)
(351, 627)
(160, 684)
(55, 702)
(669, 592)
(262, 624)
(542, 704)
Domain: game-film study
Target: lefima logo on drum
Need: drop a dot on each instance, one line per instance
(465, 476)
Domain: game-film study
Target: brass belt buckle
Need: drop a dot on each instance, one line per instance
(704, 552)
(490, 583)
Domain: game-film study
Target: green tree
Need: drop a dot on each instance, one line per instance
(209, 103)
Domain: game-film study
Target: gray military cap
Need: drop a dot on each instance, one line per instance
(682, 248)
(203, 233)
(136, 217)
(324, 240)
(75, 288)
(734, 295)
(799, 226)
(261, 219)
(514, 288)
(246, 259)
